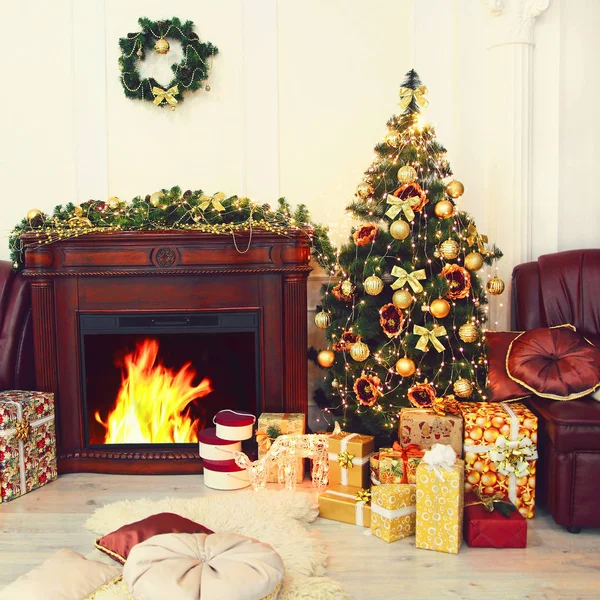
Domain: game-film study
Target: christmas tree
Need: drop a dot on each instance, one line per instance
(405, 311)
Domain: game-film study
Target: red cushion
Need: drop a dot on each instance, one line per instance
(119, 543)
(500, 385)
(556, 363)
(230, 418)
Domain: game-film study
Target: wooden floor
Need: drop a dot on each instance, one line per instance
(556, 565)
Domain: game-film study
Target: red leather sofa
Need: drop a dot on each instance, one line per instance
(16, 339)
(564, 288)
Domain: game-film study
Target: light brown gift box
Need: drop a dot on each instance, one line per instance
(423, 426)
(360, 447)
(339, 503)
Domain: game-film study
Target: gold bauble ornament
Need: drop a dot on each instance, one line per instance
(326, 358)
(392, 139)
(156, 198)
(161, 46)
(347, 287)
(34, 215)
(468, 333)
(444, 209)
(113, 202)
(405, 367)
(78, 211)
(406, 174)
(463, 388)
(495, 286)
(335, 383)
(373, 285)
(322, 320)
(402, 299)
(364, 190)
(359, 351)
(473, 261)
(439, 308)
(455, 189)
(399, 230)
(449, 249)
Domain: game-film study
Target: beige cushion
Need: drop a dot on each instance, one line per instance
(66, 575)
(187, 566)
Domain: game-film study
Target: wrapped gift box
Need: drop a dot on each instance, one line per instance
(393, 511)
(424, 427)
(349, 455)
(485, 529)
(27, 442)
(500, 452)
(346, 504)
(395, 466)
(440, 502)
(270, 427)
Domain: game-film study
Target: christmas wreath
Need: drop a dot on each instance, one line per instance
(188, 75)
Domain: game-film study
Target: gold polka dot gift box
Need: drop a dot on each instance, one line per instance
(440, 500)
(500, 448)
(393, 511)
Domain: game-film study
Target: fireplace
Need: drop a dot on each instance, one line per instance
(154, 380)
(100, 299)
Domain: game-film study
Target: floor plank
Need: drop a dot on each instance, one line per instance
(555, 565)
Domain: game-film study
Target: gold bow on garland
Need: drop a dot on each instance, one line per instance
(513, 456)
(398, 204)
(168, 96)
(23, 430)
(412, 278)
(475, 236)
(206, 201)
(345, 459)
(363, 496)
(429, 335)
(447, 404)
(407, 94)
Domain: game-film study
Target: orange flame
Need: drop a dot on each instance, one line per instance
(150, 405)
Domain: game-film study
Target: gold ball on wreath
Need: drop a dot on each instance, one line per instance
(359, 351)
(35, 214)
(406, 174)
(161, 46)
(439, 308)
(495, 286)
(113, 202)
(364, 190)
(468, 333)
(473, 261)
(449, 249)
(326, 358)
(444, 209)
(402, 299)
(463, 388)
(156, 198)
(399, 230)
(455, 189)
(322, 320)
(373, 285)
(405, 367)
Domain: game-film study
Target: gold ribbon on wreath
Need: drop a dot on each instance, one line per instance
(206, 201)
(168, 96)
(345, 459)
(407, 94)
(412, 278)
(398, 204)
(363, 495)
(429, 335)
(475, 236)
(23, 430)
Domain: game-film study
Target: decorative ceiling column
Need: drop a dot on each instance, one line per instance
(508, 84)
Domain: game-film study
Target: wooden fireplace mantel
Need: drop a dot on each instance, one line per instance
(167, 271)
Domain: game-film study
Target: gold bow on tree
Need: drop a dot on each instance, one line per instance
(475, 236)
(412, 278)
(428, 335)
(407, 94)
(206, 201)
(168, 96)
(345, 459)
(23, 430)
(363, 496)
(398, 204)
(513, 456)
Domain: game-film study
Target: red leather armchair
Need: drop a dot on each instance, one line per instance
(564, 288)
(16, 338)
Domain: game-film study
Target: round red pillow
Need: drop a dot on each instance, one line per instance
(556, 363)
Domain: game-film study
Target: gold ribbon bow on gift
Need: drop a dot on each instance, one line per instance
(404, 205)
(513, 456)
(475, 236)
(23, 430)
(447, 404)
(168, 96)
(407, 94)
(363, 496)
(412, 278)
(494, 502)
(429, 335)
(206, 201)
(345, 459)
(264, 440)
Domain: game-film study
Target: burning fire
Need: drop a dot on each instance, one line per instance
(150, 406)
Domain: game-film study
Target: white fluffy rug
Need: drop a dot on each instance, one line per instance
(277, 518)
